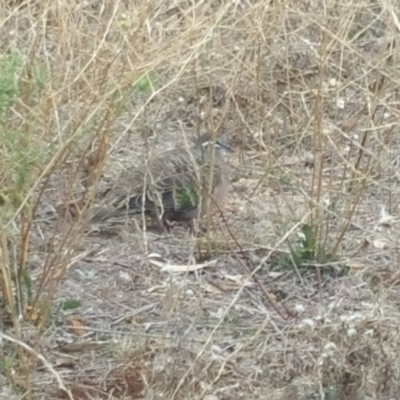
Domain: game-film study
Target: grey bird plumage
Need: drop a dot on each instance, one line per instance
(173, 186)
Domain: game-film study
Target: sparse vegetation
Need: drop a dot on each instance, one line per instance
(307, 93)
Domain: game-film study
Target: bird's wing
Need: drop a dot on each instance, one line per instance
(174, 180)
(163, 181)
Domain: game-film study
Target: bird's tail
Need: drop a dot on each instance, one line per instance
(100, 214)
(123, 206)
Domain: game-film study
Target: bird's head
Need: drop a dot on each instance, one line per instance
(207, 141)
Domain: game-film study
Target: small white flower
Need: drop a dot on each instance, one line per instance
(299, 308)
(340, 103)
(351, 332)
(307, 322)
(332, 82)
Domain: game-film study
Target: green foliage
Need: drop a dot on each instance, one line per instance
(145, 83)
(27, 282)
(122, 97)
(22, 153)
(307, 248)
(70, 304)
(310, 253)
(10, 68)
(310, 250)
(40, 76)
(9, 361)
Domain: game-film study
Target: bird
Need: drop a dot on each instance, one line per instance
(173, 186)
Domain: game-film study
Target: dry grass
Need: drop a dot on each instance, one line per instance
(307, 94)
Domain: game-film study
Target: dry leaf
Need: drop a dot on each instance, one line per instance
(154, 255)
(229, 286)
(125, 276)
(211, 288)
(18, 380)
(377, 85)
(66, 362)
(181, 268)
(154, 288)
(32, 314)
(347, 125)
(76, 327)
(362, 247)
(78, 347)
(380, 244)
(385, 219)
(275, 274)
(239, 280)
(355, 265)
(157, 263)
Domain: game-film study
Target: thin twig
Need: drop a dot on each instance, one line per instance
(42, 359)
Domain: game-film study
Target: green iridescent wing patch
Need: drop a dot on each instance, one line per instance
(186, 198)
